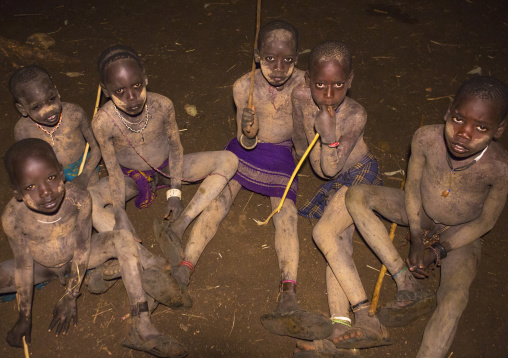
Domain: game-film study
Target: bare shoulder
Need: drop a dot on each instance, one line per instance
(498, 157)
(242, 84)
(429, 134)
(159, 101)
(21, 129)
(302, 93)
(10, 216)
(353, 110)
(297, 78)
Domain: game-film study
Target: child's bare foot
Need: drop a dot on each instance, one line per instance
(289, 319)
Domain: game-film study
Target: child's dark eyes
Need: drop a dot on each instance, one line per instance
(270, 58)
(482, 129)
(120, 91)
(52, 98)
(320, 85)
(35, 107)
(52, 177)
(137, 85)
(289, 60)
(30, 187)
(456, 119)
(339, 85)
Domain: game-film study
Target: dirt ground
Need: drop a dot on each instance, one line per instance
(409, 59)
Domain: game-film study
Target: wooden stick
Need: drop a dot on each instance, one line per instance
(25, 348)
(290, 182)
(99, 91)
(258, 23)
(382, 272)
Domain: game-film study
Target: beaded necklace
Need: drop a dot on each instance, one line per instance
(53, 131)
(445, 193)
(126, 122)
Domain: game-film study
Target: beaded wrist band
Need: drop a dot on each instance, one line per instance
(441, 251)
(174, 192)
(188, 264)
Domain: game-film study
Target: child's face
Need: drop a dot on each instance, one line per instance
(471, 123)
(39, 183)
(329, 83)
(39, 99)
(277, 57)
(125, 82)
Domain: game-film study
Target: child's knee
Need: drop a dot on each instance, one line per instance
(452, 302)
(229, 161)
(356, 197)
(321, 233)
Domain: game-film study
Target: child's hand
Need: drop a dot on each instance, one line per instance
(325, 124)
(415, 260)
(249, 123)
(23, 327)
(66, 310)
(175, 207)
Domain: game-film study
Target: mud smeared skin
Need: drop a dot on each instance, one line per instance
(40, 103)
(55, 239)
(125, 82)
(471, 208)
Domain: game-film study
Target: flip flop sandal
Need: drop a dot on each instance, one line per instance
(394, 314)
(169, 242)
(326, 349)
(162, 287)
(298, 324)
(160, 346)
(370, 338)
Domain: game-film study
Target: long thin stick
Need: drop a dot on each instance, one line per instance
(88, 145)
(258, 23)
(290, 182)
(382, 272)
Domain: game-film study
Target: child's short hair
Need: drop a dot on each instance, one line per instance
(24, 75)
(115, 53)
(29, 147)
(486, 87)
(277, 25)
(331, 50)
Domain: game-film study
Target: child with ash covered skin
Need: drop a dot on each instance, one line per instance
(264, 148)
(63, 125)
(55, 239)
(455, 191)
(138, 136)
(342, 156)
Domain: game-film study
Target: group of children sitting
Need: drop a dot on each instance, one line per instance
(455, 191)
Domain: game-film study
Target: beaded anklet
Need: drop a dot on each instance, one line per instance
(188, 264)
(360, 305)
(398, 273)
(346, 321)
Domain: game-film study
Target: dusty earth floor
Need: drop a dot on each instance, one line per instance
(409, 58)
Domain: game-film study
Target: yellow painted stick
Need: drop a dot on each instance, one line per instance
(290, 181)
(382, 272)
(258, 23)
(87, 145)
(25, 348)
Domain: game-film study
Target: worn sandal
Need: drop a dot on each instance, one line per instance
(326, 349)
(370, 338)
(162, 287)
(160, 346)
(169, 242)
(394, 314)
(298, 324)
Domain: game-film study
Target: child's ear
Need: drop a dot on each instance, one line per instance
(16, 194)
(257, 57)
(104, 90)
(146, 81)
(307, 78)
(500, 129)
(447, 114)
(350, 79)
(21, 109)
(296, 60)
